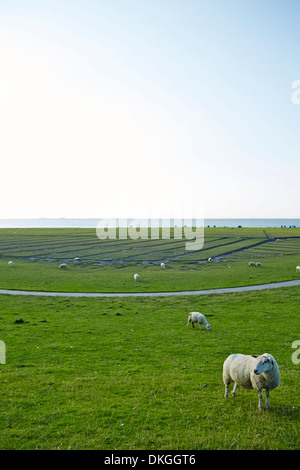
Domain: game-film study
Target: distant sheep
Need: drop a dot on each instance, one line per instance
(162, 265)
(63, 266)
(209, 260)
(136, 277)
(258, 265)
(76, 259)
(298, 269)
(197, 317)
(10, 263)
(252, 263)
(252, 372)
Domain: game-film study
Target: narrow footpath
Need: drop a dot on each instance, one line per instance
(225, 290)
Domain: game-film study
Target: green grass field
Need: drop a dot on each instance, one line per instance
(109, 265)
(126, 373)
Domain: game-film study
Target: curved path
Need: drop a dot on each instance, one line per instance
(225, 290)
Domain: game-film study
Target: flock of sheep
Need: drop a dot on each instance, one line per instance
(64, 266)
(251, 372)
(136, 276)
(258, 264)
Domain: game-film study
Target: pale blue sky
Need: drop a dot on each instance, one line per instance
(149, 108)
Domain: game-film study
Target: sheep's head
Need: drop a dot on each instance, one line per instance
(208, 326)
(264, 363)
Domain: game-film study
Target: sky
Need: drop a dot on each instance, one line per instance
(149, 108)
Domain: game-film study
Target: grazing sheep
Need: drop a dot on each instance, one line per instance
(197, 317)
(258, 264)
(63, 266)
(162, 265)
(136, 277)
(251, 263)
(298, 269)
(10, 263)
(209, 260)
(76, 259)
(255, 372)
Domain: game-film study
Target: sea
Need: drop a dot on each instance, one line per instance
(93, 222)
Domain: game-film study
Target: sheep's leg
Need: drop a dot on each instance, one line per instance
(267, 398)
(234, 389)
(200, 327)
(193, 324)
(260, 400)
(226, 390)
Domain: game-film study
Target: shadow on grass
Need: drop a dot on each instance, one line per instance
(287, 411)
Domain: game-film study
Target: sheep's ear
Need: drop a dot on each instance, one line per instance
(268, 357)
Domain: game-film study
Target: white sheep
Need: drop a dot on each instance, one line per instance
(10, 263)
(197, 317)
(63, 266)
(209, 260)
(76, 259)
(251, 263)
(298, 269)
(162, 265)
(252, 372)
(258, 264)
(136, 277)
